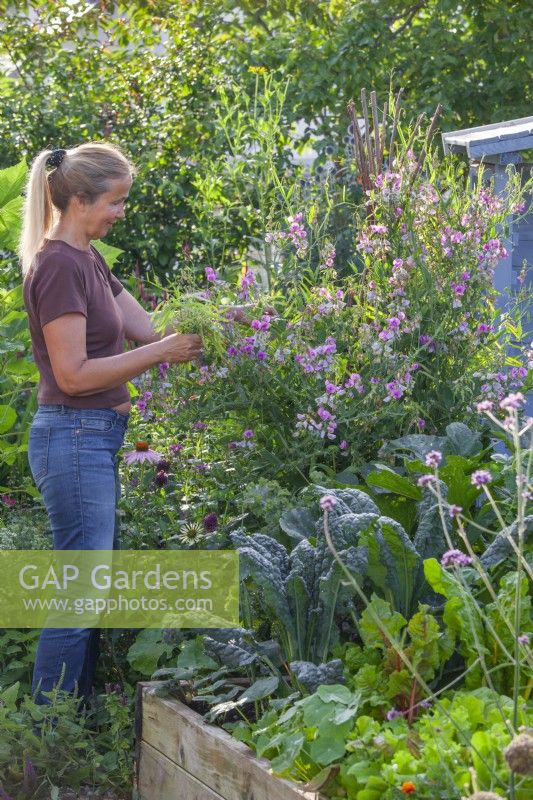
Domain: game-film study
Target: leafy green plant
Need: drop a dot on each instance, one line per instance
(47, 747)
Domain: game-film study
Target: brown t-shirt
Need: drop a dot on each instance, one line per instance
(64, 280)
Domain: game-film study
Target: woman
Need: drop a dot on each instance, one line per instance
(79, 317)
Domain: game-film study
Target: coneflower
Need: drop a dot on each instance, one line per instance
(141, 454)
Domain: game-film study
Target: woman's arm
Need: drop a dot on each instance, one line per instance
(77, 375)
(137, 321)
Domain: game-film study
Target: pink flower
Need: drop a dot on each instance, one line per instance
(454, 511)
(485, 405)
(455, 558)
(328, 502)
(141, 454)
(425, 480)
(513, 401)
(7, 500)
(433, 459)
(480, 477)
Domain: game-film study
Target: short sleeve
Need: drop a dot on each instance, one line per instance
(114, 283)
(58, 288)
(116, 286)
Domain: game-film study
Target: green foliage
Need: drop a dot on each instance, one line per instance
(57, 745)
(370, 759)
(473, 621)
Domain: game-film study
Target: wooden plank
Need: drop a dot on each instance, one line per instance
(211, 755)
(162, 779)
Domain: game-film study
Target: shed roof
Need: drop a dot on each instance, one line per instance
(500, 137)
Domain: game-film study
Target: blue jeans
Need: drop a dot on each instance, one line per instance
(73, 458)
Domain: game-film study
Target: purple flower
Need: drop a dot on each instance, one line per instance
(261, 355)
(523, 639)
(200, 426)
(232, 351)
(425, 480)
(7, 500)
(343, 445)
(483, 328)
(141, 454)
(161, 478)
(328, 502)
(248, 434)
(421, 423)
(480, 477)
(210, 522)
(433, 458)
(163, 464)
(175, 448)
(485, 405)
(455, 558)
(392, 714)
(513, 401)
(459, 288)
(454, 511)
(211, 275)
(163, 368)
(395, 390)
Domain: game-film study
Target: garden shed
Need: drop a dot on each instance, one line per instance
(497, 146)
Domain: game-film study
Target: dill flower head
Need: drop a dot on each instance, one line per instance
(519, 754)
(485, 796)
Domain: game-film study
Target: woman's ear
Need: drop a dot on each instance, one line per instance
(79, 201)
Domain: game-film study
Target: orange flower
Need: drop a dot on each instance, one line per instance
(408, 787)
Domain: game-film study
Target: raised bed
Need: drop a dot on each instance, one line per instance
(181, 757)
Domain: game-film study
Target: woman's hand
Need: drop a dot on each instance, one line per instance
(179, 348)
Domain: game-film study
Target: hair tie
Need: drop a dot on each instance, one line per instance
(55, 159)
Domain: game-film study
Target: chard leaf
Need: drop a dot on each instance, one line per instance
(392, 621)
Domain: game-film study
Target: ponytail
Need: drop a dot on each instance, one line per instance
(84, 170)
(39, 214)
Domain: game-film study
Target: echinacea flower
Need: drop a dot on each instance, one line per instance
(141, 454)
(191, 533)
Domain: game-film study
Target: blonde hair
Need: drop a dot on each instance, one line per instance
(85, 170)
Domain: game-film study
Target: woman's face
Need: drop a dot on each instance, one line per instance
(101, 215)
